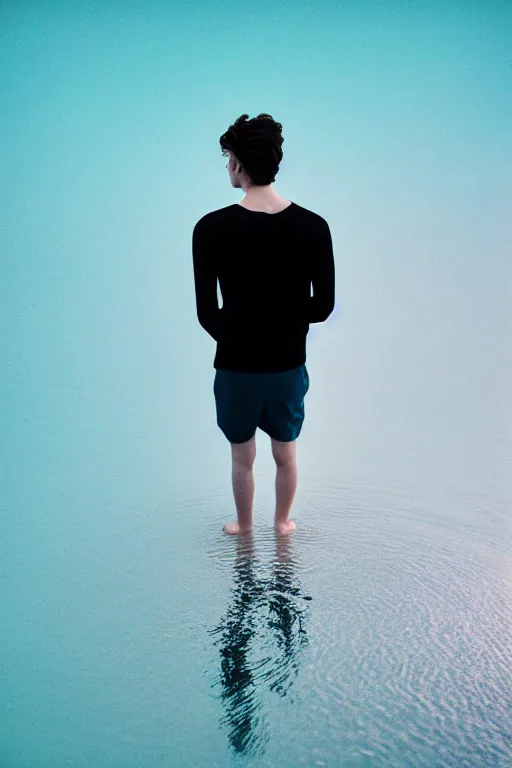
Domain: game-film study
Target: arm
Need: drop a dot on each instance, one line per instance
(321, 304)
(205, 279)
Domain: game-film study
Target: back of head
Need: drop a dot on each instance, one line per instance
(257, 145)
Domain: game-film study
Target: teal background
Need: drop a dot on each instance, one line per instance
(116, 480)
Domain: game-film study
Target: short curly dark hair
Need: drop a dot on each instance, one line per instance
(256, 144)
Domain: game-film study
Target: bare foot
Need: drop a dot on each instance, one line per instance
(286, 527)
(235, 528)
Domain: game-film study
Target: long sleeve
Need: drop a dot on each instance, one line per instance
(267, 265)
(205, 279)
(321, 304)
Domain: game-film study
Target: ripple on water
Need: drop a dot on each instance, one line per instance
(406, 623)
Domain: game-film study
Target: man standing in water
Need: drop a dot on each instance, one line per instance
(266, 252)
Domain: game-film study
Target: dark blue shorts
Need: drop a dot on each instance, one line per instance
(274, 402)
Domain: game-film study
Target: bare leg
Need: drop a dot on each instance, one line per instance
(286, 486)
(243, 455)
(243, 491)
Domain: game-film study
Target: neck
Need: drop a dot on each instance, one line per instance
(262, 195)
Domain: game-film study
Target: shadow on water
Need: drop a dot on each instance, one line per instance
(265, 607)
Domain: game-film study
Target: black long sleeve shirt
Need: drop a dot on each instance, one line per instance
(265, 264)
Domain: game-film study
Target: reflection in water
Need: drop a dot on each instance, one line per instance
(265, 605)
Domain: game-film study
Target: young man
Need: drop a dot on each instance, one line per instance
(265, 251)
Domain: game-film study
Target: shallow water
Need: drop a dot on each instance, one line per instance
(378, 633)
